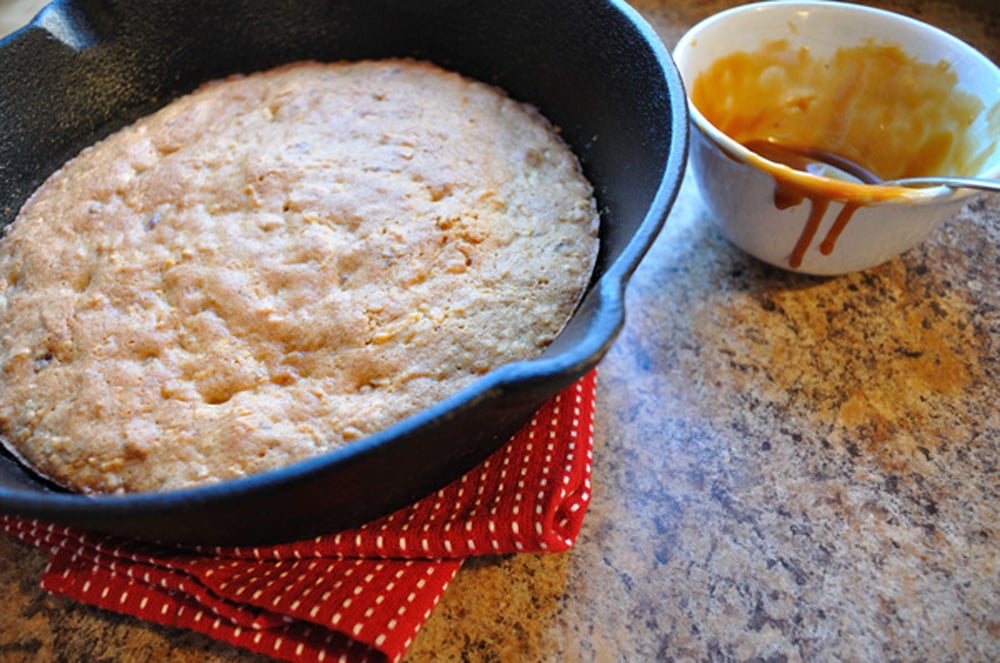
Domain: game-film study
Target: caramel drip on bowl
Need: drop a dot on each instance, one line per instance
(787, 194)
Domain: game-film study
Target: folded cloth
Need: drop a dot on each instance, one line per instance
(356, 595)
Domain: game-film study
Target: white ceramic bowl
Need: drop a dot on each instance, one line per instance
(739, 186)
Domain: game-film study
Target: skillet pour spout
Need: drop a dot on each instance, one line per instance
(84, 68)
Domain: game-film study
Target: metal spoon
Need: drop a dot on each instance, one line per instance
(830, 164)
(980, 183)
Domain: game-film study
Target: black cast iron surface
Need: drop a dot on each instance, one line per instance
(84, 68)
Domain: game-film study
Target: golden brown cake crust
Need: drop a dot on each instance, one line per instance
(278, 264)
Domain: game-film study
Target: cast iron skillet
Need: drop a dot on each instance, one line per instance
(83, 68)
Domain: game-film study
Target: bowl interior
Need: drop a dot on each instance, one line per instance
(84, 68)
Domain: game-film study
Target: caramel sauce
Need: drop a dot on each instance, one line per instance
(872, 111)
(788, 195)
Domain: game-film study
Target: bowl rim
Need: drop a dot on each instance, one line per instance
(867, 194)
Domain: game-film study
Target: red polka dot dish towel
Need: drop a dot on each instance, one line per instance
(357, 595)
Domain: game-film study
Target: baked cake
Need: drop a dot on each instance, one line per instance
(278, 264)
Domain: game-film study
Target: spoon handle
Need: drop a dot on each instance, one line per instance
(950, 182)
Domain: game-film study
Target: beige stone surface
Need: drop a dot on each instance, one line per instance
(786, 468)
(16, 13)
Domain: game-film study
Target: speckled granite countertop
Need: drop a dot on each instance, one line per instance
(786, 468)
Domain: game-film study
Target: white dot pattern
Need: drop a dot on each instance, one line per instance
(352, 596)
